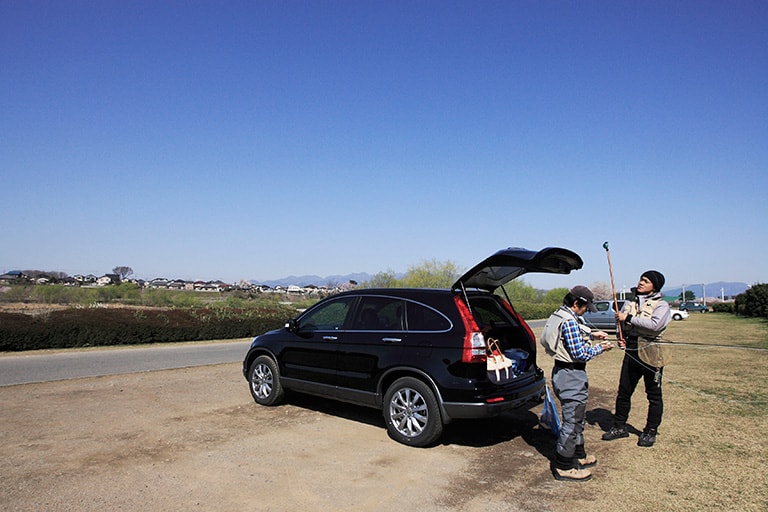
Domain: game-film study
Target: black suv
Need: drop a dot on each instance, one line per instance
(419, 355)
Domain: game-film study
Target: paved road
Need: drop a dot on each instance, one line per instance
(72, 364)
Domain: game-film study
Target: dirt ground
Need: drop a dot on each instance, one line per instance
(194, 439)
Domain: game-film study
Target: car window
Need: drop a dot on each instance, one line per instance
(602, 306)
(379, 313)
(423, 318)
(328, 317)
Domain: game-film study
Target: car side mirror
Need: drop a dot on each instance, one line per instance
(291, 325)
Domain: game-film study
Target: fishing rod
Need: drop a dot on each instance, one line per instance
(622, 343)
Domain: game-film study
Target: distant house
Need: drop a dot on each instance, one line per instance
(158, 282)
(11, 277)
(108, 279)
(89, 279)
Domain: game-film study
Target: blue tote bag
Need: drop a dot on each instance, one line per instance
(549, 414)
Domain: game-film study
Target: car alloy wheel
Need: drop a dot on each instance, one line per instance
(265, 382)
(411, 412)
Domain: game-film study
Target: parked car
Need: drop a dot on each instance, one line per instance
(418, 355)
(679, 314)
(605, 316)
(693, 306)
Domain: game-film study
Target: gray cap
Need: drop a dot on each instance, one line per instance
(585, 295)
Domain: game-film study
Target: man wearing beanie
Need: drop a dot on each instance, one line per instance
(642, 322)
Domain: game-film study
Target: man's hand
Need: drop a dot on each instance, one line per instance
(607, 345)
(600, 335)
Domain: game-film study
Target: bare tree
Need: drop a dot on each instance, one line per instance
(123, 272)
(602, 290)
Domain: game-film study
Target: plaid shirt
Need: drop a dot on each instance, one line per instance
(575, 344)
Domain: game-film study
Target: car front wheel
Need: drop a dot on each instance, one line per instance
(264, 380)
(411, 413)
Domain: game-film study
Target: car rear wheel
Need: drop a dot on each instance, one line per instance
(677, 316)
(411, 413)
(264, 380)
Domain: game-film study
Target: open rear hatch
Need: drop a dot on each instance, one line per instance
(508, 264)
(514, 337)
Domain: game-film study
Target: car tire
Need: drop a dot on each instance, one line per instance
(677, 317)
(264, 381)
(411, 413)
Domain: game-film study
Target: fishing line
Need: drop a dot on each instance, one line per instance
(671, 343)
(688, 388)
(667, 342)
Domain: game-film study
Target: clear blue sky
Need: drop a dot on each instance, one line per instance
(255, 140)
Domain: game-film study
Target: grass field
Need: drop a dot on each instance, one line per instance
(711, 452)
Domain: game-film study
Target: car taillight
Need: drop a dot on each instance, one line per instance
(474, 341)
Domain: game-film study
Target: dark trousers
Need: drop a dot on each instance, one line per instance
(632, 370)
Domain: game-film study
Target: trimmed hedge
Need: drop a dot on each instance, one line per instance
(128, 326)
(723, 307)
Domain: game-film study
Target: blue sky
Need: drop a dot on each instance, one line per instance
(256, 140)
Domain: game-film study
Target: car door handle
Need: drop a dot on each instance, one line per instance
(391, 340)
(330, 338)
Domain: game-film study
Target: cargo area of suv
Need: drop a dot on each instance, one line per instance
(424, 357)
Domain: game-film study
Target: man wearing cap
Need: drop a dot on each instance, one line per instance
(642, 321)
(568, 340)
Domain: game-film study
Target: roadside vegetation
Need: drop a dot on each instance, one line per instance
(58, 316)
(529, 302)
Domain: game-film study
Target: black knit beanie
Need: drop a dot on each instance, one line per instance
(655, 277)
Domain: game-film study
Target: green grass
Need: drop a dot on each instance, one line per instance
(129, 294)
(720, 329)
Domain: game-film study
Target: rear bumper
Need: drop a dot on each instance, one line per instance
(530, 396)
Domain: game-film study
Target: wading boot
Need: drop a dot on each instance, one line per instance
(573, 474)
(587, 461)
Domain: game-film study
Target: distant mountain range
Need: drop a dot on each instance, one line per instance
(329, 281)
(716, 289)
